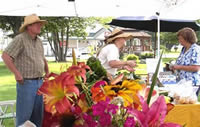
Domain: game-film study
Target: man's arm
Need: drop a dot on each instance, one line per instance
(120, 64)
(9, 63)
(46, 68)
(127, 65)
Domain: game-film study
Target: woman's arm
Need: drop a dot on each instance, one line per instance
(191, 68)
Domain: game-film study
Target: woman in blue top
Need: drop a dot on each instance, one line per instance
(188, 63)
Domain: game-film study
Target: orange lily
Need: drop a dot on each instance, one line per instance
(97, 91)
(75, 71)
(57, 96)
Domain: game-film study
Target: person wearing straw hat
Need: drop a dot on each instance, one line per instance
(24, 56)
(109, 54)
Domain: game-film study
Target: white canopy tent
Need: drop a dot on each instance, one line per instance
(40, 7)
(82, 8)
(183, 9)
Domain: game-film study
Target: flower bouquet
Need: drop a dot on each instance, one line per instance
(83, 96)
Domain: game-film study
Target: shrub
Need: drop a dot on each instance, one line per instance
(146, 55)
(132, 57)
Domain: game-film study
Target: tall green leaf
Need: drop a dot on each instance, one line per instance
(154, 80)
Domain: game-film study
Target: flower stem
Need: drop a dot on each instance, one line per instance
(88, 98)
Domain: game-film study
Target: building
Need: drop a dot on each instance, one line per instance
(82, 46)
(141, 42)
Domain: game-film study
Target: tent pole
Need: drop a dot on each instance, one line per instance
(158, 36)
(155, 45)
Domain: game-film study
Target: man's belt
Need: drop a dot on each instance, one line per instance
(37, 78)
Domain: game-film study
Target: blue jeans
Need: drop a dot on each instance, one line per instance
(29, 105)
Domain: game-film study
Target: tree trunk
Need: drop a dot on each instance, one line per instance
(67, 39)
(51, 45)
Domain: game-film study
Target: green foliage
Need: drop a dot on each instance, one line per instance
(98, 71)
(92, 51)
(146, 55)
(129, 75)
(198, 36)
(12, 23)
(59, 29)
(103, 20)
(132, 57)
(71, 26)
(168, 37)
(164, 48)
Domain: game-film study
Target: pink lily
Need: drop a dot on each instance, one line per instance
(153, 116)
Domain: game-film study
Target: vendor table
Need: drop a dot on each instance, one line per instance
(186, 114)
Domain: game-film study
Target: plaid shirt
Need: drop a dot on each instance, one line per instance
(28, 55)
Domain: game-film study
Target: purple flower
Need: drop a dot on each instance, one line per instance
(99, 108)
(99, 83)
(103, 106)
(89, 121)
(104, 110)
(112, 108)
(105, 119)
(130, 122)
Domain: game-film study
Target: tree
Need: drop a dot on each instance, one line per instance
(12, 23)
(103, 20)
(168, 39)
(59, 29)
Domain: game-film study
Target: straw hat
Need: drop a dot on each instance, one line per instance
(30, 20)
(118, 33)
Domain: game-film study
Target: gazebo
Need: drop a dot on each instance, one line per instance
(141, 42)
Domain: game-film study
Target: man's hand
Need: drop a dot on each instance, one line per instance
(8, 60)
(46, 76)
(19, 79)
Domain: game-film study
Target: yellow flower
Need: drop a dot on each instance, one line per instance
(127, 90)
